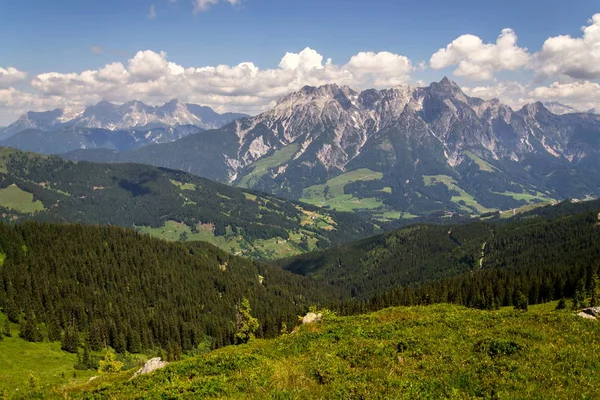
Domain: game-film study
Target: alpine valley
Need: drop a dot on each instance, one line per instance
(395, 153)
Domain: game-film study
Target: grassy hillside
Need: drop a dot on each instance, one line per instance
(172, 205)
(431, 352)
(46, 362)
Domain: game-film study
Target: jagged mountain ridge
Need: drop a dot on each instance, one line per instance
(130, 115)
(427, 146)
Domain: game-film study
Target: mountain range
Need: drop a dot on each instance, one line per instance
(110, 126)
(396, 152)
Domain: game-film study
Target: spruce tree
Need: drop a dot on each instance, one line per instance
(70, 340)
(594, 289)
(6, 329)
(246, 324)
(29, 329)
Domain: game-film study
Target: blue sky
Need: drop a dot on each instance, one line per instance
(41, 37)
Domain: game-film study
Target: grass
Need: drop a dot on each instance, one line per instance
(45, 361)
(525, 208)
(15, 198)
(183, 186)
(470, 204)
(332, 193)
(432, 352)
(235, 244)
(393, 215)
(262, 166)
(528, 197)
(482, 164)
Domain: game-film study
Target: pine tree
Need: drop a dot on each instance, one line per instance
(562, 304)
(54, 331)
(522, 302)
(579, 297)
(594, 289)
(29, 329)
(70, 340)
(246, 324)
(6, 329)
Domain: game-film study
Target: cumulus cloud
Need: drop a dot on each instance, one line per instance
(511, 93)
(579, 95)
(150, 77)
(382, 69)
(578, 58)
(204, 5)
(10, 75)
(476, 60)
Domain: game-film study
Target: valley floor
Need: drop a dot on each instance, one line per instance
(431, 352)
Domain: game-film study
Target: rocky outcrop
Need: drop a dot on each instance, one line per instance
(311, 317)
(151, 365)
(590, 313)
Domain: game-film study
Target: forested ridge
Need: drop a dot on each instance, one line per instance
(133, 195)
(527, 260)
(97, 286)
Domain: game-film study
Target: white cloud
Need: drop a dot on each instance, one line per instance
(580, 95)
(150, 77)
(152, 12)
(97, 49)
(204, 5)
(382, 69)
(511, 93)
(10, 75)
(476, 60)
(578, 58)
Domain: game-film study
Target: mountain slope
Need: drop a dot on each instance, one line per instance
(166, 203)
(420, 149)
(432, 352)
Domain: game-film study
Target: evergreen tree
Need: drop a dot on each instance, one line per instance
(6, 329)
(246, 324)
(579, 297)
(562, 304)
(54, 331)
(29, 329)
(70, 340)
(594, 289)
(522, 302)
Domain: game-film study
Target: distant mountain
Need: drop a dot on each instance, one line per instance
(559, 108)
(395, 152)
(170, 204)
(45, 120)
(133, 115)
(69, 138)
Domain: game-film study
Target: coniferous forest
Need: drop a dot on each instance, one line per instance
(107, 286)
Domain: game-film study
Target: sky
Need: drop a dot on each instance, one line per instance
(242, 55)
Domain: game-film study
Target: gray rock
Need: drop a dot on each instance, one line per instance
(151, 365)
(311, 317)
